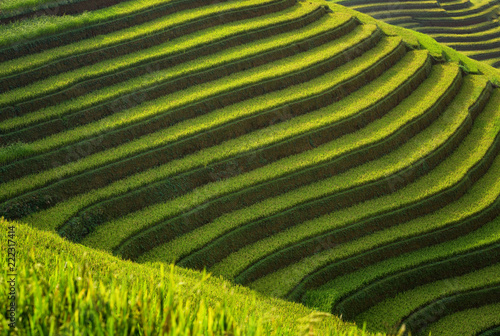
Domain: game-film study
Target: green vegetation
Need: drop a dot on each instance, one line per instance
(438, 26)
(137, 221)
(320, 156)
(193, 126)
(405, 303)
(44, 25)
(332, 292)
(72, 289)
(155, 78)
(389, 164)
(392, 123)
(252, 141)
(484, 317)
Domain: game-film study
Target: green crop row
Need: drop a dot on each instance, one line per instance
(9, 5)
(449, 222)
(36, 27)
(429, 139)
(393, 310)
(460, 323)
(206, 122)
(394, 6)
(256, 140)
(176, 46)
(479, 36)
(122, 36)
(462, 19)
(432, 271)
(280, 67)
(439, 81)
(392, 79)
(479, 46)
(326, 296)
(202, 64)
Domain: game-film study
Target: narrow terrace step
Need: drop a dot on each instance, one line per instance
(459, 323)
(344, 285)
(454, 304)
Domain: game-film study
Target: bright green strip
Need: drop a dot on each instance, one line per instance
(184, 43)
(472, 53)
(131, 224)
(122, 36)
(393, 310)
(10, 5)
(388, 5)
(467, 322)
(470, 35)
(457, 19)
(200, 124)
(459, 163)
(330, 293)
(411, 108)
(36, 27)
(154, 78)
(478, 44)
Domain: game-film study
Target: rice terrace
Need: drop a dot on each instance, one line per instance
(250, 167)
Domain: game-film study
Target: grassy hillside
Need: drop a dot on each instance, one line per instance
(68, 289)
(303, 149)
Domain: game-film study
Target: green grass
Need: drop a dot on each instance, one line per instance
(284, 280)
(392, 310)
(33, 28)
(133, 223)
(475, 44)
(206, 122)
(11, 5)
(410, 109)
(64, 288)
(396, 160)
(121, 36)
(57, 215)
(108, 66)
(155, 78)
(459, 18)
(183, 98)
(72, 289)
(459, 323)
(329, 294)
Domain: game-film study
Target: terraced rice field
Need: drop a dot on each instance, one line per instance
(470, 27)
(276, 143)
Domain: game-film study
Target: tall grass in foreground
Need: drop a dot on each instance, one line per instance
(67, 289)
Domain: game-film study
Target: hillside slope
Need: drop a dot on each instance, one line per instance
(301, 151)
(471, 28)
(68, 289)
